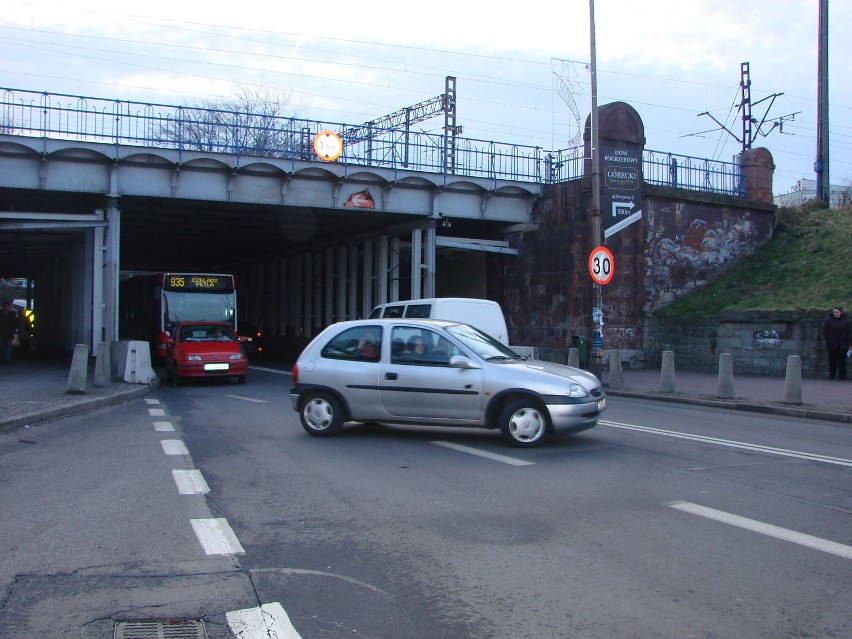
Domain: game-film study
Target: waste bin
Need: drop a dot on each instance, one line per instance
(582, 346)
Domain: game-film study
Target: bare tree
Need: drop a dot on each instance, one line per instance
(256, 121)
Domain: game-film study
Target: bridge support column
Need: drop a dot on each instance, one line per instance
(429, 275)
(110, 270)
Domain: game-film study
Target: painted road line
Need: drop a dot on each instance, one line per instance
(190, 482)
(216, 537)
(270, 370)
(152, 401)
(817, 543)
(173, 447)
(270, 620)
(825, 459)
(504, 459)
(164, 426)
(248, 399)
(156, 412)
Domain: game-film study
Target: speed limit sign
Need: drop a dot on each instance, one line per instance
(601, 265)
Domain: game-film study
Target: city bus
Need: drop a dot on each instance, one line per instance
(151, 304)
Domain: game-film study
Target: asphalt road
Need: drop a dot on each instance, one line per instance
(664, 521)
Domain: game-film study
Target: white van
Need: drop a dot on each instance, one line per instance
(485, 315)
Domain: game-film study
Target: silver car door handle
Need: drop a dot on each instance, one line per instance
(391, 376)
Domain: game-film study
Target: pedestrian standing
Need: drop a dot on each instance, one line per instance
(8, 328)
(837, 333)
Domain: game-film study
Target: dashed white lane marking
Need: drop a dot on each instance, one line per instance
(248, 399)
(152, 401)
(156, 412)
(163, 426)
(839, 461)
(817, 543)
(270, 620)
(216, 537)
(481, 453)
(190, 482)
(174, 447)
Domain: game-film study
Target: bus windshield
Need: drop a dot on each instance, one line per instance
(185, 306)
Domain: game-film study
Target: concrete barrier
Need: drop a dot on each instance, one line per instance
(574, 357)
(725, 387)
(667, 373)
(530, 352)
(79, 369)
(102, 365)
(616, 379)
(137, 367)
(793, 380)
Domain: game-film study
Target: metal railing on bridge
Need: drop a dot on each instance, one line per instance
(252, 135)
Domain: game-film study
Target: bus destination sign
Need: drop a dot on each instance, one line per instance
(197, 282)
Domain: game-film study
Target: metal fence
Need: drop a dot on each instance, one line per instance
(694, 174)
(252, 135)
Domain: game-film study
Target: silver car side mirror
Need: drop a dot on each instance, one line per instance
(460, 361)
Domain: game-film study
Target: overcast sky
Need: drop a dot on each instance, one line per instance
(349, 62)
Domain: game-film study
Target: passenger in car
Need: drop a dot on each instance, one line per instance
(397, 348)
(417, 346)
(368, 346)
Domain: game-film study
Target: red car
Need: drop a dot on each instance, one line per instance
(205, 349)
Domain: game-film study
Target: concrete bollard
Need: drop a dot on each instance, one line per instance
(616, 379)
(574, 357)
(79, 370)
(725, 387)
(102, 365)
(793, 380)
(667, 373)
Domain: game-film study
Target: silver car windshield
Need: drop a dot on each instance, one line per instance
(481, 343)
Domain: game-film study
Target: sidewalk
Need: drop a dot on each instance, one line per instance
(32, 391)
(821, 398)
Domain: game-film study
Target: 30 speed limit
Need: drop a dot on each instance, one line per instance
(601, 265)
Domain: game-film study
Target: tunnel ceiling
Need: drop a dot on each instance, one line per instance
(194, 235)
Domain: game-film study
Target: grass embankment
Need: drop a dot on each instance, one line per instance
(806, 266)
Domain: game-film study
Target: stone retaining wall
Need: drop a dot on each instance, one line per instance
(759, 342)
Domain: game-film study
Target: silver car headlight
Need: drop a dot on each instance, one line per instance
(575, 390)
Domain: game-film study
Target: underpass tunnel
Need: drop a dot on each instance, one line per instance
(291, 298)
(48, 272)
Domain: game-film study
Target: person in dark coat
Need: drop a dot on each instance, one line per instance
(837, 333)
(8, 328)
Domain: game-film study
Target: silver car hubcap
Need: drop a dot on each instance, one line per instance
(318, 414)
(526, 425)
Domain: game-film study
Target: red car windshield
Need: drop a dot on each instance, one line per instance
(202, 333)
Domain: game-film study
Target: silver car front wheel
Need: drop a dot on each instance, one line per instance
(524, 422)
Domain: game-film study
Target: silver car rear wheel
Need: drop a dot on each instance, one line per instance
(524, 422)
(321, 415)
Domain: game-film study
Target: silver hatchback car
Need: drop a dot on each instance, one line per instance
(437, 372)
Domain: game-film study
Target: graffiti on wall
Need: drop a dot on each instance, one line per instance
(686, 252)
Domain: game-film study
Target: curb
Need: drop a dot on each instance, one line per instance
(77, 406)
(789, 410)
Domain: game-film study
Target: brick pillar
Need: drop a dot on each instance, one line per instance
(758, 170)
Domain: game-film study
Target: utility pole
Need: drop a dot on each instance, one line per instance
(597, 312)
(823, 183)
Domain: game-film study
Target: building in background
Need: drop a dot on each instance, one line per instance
(805, 190)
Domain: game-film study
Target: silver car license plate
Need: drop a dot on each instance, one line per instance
(216, 367)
